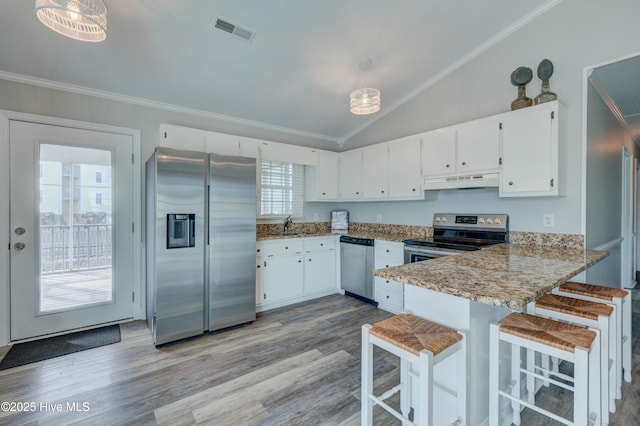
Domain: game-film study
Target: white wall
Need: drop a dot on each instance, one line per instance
(574, 35)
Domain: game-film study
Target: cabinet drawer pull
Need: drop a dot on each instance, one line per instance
(299, 261)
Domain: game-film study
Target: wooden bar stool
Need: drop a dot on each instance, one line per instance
(566, 341)
(621, 299)
(419, 343)
(591, 314)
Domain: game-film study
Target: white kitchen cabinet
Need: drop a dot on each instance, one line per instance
(375, 172)
(462, 149)
(530, 138)
(293, 270)
(351, 175)
(282, 278)
(405, 175)
(320, 265)
(439, 152)
(321, 182)
(179, 137)
(282, 270)
(478, 146)
(221, 143)
(388, 293)
(287, 153)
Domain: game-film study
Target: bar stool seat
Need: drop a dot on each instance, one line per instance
(566, 341)
(420, 343)
(621, 299)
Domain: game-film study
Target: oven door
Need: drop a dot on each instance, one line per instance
(418, 253)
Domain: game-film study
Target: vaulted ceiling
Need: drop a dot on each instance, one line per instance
(295, 74)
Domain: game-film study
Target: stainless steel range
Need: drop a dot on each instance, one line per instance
(458, 233)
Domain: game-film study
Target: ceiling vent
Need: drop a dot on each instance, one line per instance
(235, 30)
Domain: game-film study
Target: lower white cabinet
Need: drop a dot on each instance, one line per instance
(389, 294)
(282, 278)
(295, 269)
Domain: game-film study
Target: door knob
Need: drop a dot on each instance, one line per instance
(20, 230)
(18, 246)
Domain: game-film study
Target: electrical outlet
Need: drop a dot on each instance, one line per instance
(547, 220)
(315, 217)
(379, 217)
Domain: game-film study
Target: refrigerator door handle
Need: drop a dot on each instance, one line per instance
(207, 197)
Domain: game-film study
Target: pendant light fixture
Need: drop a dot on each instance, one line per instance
(366, 100)
(83, 20)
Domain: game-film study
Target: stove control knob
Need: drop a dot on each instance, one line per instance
(444, 219)
(489, 220)
(437, 219)
(481, 220)
(497, 221)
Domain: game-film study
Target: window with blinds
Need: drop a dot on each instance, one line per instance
(282, 189)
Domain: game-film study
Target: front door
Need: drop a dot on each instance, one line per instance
(71, 215)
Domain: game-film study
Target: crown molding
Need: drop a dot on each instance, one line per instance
(117, 97)
(609, 102)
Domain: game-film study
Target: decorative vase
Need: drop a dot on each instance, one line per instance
(545, 70)
(522, 101)
(520, 77)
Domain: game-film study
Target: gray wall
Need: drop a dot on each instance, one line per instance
(574, 35)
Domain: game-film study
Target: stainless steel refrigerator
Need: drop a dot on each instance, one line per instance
(200, 243)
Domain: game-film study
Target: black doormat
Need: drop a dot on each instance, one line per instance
(39, 350)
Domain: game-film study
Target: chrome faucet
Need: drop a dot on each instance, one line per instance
(287, 222)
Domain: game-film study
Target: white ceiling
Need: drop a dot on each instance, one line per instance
(295, 75)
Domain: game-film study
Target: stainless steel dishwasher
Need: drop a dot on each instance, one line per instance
(356, 267)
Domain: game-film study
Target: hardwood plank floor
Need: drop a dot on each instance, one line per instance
(298, 365)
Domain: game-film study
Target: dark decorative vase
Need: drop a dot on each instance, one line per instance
(522, 101)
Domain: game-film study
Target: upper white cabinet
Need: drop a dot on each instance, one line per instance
(321, 182)
(404, 169)
(530, 151)
(478, 146)
(221, 143)
(181, 137)
(463, 149)
(351, 175)
(375, 172)
(286, 153)
(439, 152)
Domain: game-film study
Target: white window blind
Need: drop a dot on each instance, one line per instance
(282, 189)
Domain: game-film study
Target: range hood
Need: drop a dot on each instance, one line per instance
(481, 180)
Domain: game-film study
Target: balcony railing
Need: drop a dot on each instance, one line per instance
(66, 248)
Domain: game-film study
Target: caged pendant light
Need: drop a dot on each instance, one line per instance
(83, 20)
(366, 100)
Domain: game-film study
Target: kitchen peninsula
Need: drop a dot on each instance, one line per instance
(471, 290)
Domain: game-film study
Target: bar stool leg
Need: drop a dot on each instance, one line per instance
(581, 388)
(626, 333)
(530, 380)
(461, 398)
(425, 416)
(494, 368)
(366, 409)
(405, 387)
(515, 382)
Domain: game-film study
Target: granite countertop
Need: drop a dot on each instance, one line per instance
(375, 235)
(506, 275)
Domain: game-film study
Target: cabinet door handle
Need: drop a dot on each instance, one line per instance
(324, 193)
(464, 163)
(299, 261)
(447, 166)
(414, 190)
(510, 183)
(382, 191)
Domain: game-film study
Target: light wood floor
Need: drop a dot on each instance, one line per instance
(298, 365)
